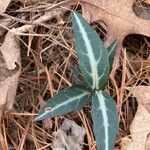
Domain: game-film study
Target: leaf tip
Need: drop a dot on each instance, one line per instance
(73, 14)
(41, 115)
(37, 118)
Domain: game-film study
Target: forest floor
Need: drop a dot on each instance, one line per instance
(48, 57)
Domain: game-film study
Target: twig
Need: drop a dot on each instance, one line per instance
(38, 21)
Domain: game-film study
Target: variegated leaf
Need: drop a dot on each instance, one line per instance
(105, 122)
(71, 99)
(93, 56)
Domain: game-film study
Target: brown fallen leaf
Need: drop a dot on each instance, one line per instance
(10, 53)
(11, 56)
(70, 136)
(3, 5)
(142, 9)
(142, 94)
(4, 86)
(10, 70)
(125, 143)
(5, 73)
(4, 24)
(140, 127)
(120, 19)
(77, 131)
(148, 142)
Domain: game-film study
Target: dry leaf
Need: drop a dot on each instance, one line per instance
(142, 94)
(148, 142)
(5, 73)
(3, 5)
(9, 75)
(140, 127)
(120, 19)
(10, 51)
(76, 131)
(126, 143)
(4, 23)
(10, 54)
(69, 137)
(143, 10)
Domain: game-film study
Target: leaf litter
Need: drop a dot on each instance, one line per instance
(54, 37)
(69, 136)
(3, 5)
(119, 18)
(140, 126)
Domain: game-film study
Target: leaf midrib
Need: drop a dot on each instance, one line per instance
(64, 103)
(103, 109)
(90, 53)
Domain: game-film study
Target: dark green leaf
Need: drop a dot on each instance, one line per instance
(112, 51)
(104, 115)
(76, 74)
(93, 56)
(71, 99)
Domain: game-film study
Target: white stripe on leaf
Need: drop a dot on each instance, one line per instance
(90, 51)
